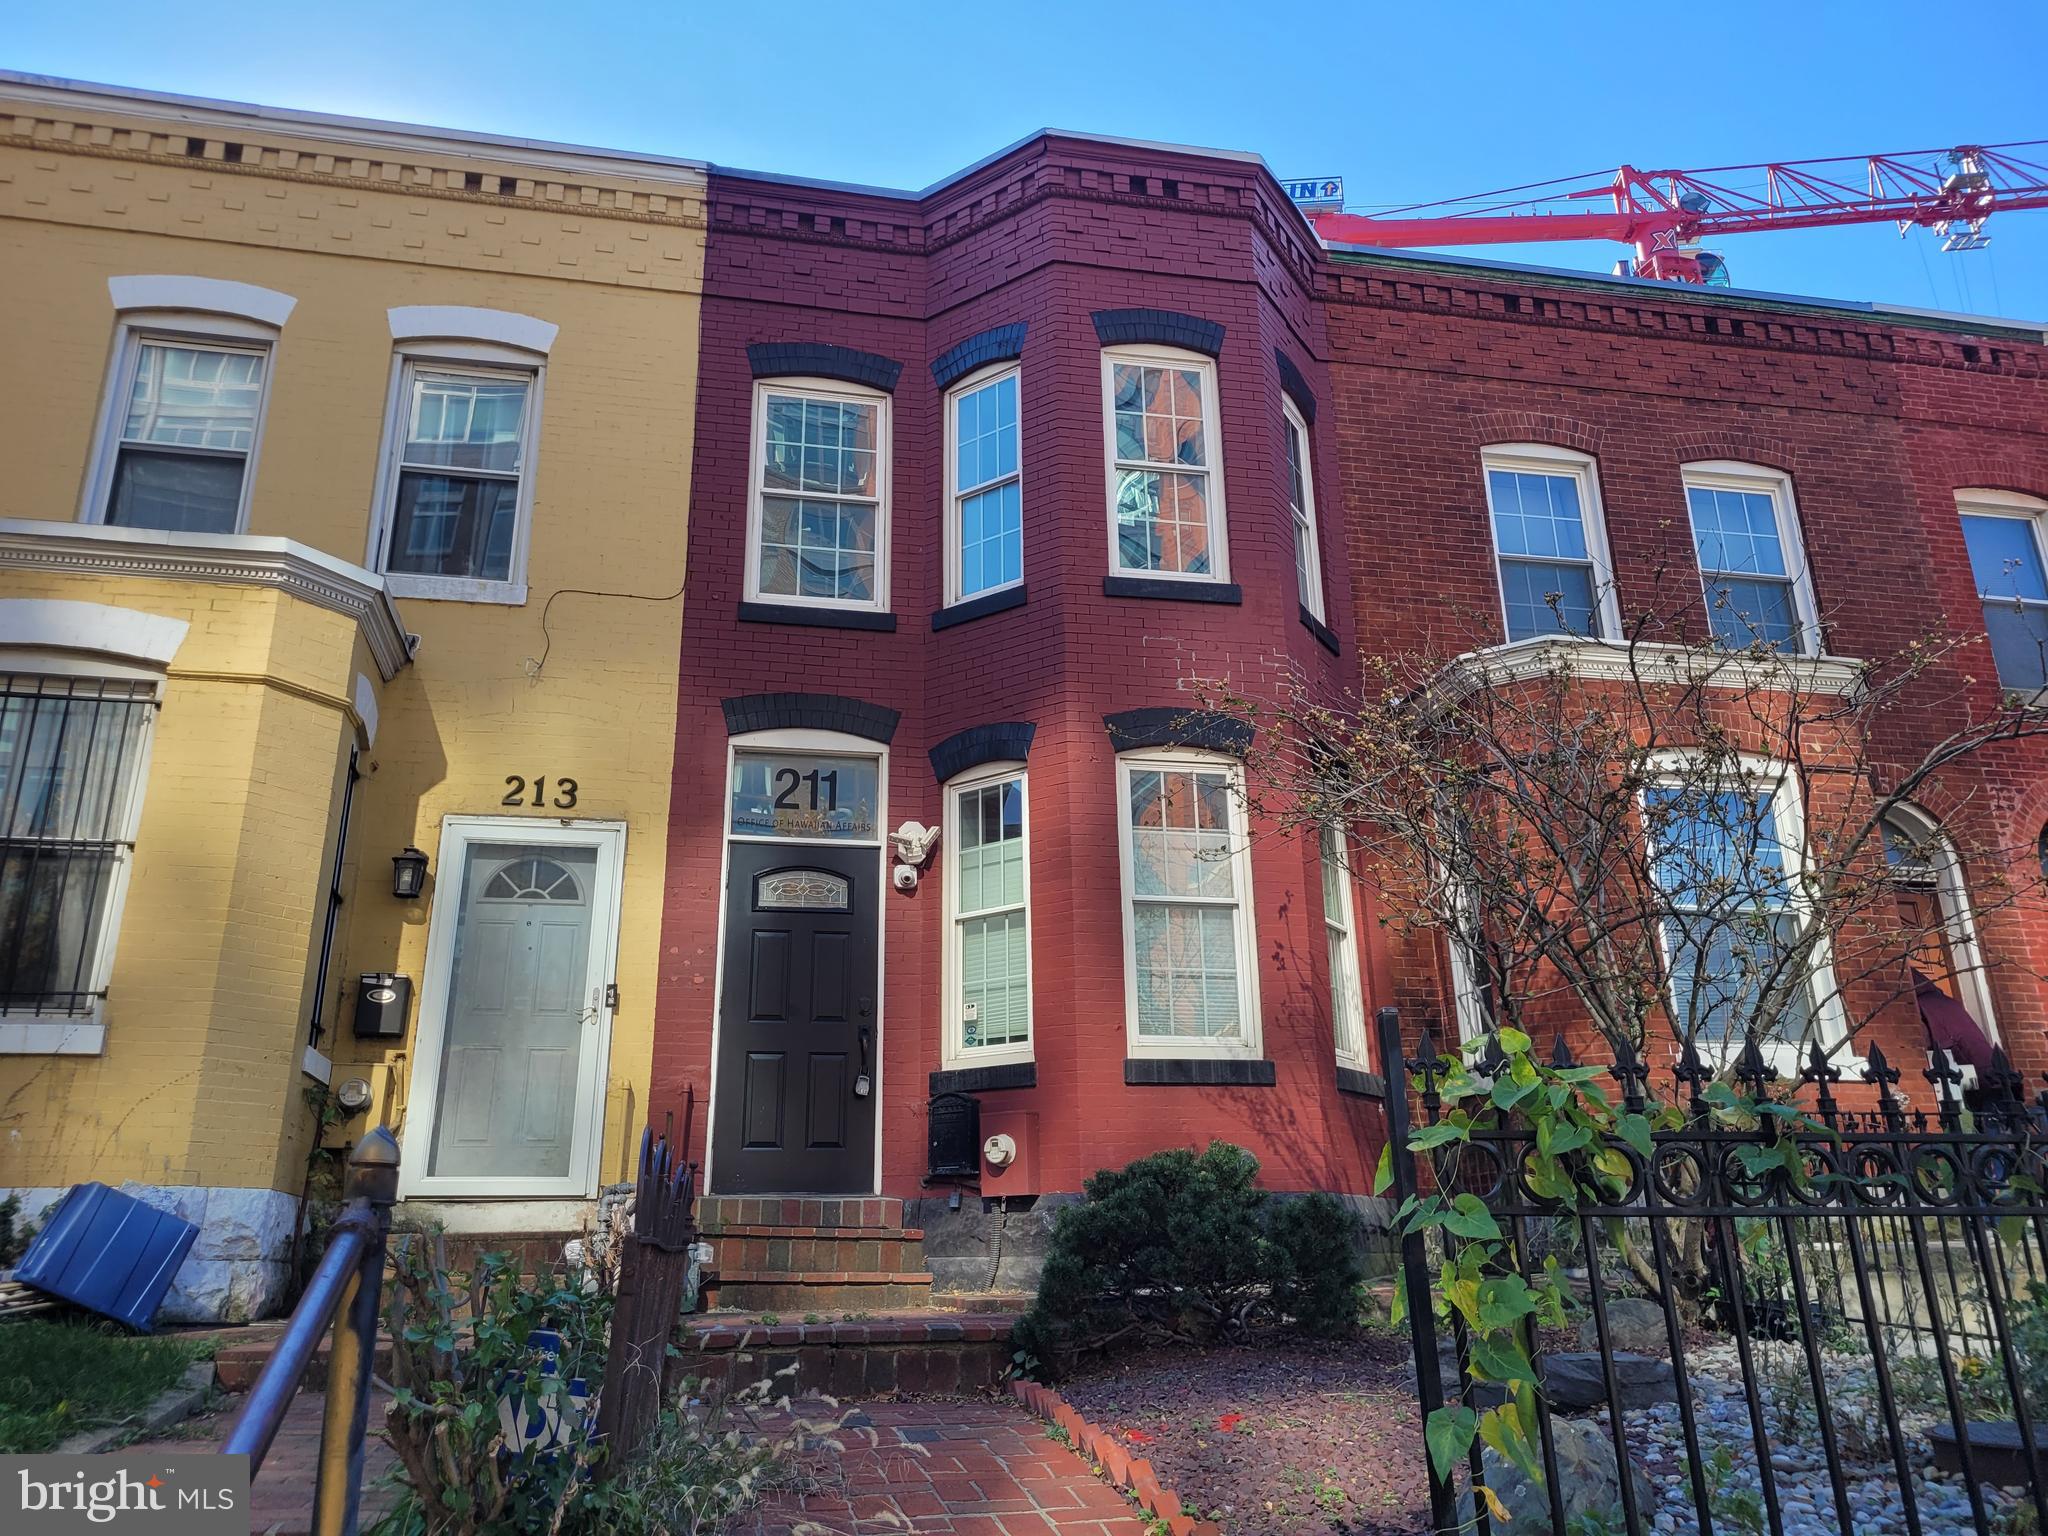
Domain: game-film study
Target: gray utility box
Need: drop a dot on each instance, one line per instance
(382, 1003)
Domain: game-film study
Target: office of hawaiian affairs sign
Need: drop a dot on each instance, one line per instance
(194, 1495)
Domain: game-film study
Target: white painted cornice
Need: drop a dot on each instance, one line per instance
(1653, 663)
(237, 559)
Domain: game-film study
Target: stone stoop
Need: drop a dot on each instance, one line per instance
(812, 1257)
(910, 1353)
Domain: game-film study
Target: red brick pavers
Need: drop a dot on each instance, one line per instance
(970, 1468)
(282, 1499)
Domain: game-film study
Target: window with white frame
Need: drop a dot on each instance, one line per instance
(988, 959)
(186, 414)
(2008, 541)
(1549, 542)
(1165, 465)
(72, 753)
(458, 477)
(1745, 532)
(1340, 930)
(818, 523)
(985, 529)
(1301, 503)
(1191, 970)
(1725, 859)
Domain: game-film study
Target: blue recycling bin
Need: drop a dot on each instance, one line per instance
(109, 1253)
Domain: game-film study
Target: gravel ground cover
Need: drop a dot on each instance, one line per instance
(1273, 1439)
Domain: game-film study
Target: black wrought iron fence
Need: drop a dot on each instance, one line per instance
(1780, 1321)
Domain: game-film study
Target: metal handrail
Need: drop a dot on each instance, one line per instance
(345, 1291)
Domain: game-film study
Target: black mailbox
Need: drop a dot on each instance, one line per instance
(382, 1002)
(955, 1136)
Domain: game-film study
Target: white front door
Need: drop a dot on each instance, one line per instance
(515, 1023)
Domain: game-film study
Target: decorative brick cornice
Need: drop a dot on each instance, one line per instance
(809, 712)
(1160, 327)
(235, 559)
(361, 156)
(817, 359)
(999, 344)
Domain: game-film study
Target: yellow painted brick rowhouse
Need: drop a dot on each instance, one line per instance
(341, 551)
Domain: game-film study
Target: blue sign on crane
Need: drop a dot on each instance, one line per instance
(1316, 191)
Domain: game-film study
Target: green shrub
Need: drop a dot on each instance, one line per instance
(1183, 1246)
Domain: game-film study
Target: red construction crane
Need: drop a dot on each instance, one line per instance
(1665, 214)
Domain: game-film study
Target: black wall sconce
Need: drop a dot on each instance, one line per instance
(408, 873)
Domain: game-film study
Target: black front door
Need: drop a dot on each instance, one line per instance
(796, 1031)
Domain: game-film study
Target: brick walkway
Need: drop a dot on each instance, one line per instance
(970, 1468)
(282, 1499)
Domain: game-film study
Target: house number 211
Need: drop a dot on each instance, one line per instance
(517, 793)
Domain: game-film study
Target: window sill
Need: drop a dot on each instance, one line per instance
(1326, 637)
(1367, 1085)
(53, 1035)
(817, 618)
(1198, 1072)
(1009, 1074)
(972, 608)
(1172, 591)
(448, 589)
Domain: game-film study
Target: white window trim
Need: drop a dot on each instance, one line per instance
(757, 429)
(1958, 922)
(477, 358)
(1313, 601)
(981, 378)
(1176, 1046)
(1730, 475)
(85, 1033)
(1549, 459)
(1346, 919)
(1212, 434)
(175, 328)
(954, 1052)
(2031, 510)
(1788, 820)
(826, 743)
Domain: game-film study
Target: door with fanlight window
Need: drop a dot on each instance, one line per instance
(516, 1011)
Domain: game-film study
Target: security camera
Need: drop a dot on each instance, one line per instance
(904, 877)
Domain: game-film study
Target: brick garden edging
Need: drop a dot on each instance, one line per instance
(1109, 1456)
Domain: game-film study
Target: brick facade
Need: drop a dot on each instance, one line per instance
(1405, 370)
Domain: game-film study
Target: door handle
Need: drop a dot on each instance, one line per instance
(863, 1085)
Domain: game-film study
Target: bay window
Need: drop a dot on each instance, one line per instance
(1301, 503)
(1340, 932)
(1190, 966)
(818, 513)
(1165, 465)
(985, 521)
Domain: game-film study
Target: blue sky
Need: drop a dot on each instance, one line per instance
(1406, 102)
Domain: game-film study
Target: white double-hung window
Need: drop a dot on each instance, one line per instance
(1165, 465)
(988, 954)
(818, 519)
(1340, 931)
(459, 476)
(1745, 532)
(2007, 537)
(1191, 984)
(1725, 858)
(1301, 504)
(1549, 542)
(985, 490)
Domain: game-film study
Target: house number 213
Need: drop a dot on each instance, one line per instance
(518, 793)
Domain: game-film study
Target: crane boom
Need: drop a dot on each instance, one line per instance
(1665, 214)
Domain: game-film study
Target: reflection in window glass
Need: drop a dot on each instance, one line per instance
(457, 503)
(2005, 555)
(796, 794)
(1308, 575)
(987, 489)
(820, 498)
(1347, 991)
(991, 956)
(1546, 566)
(1744, 565)
(186, 437)
(1184, 904)
(1162, 507)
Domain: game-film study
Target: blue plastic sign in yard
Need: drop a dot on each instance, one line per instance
(109, 1253)
(1317, 191)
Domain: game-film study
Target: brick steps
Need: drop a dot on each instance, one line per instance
(715, 1213)
(236, 1366)
(908, 1352)
(812, 1255)
(828, 1291)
